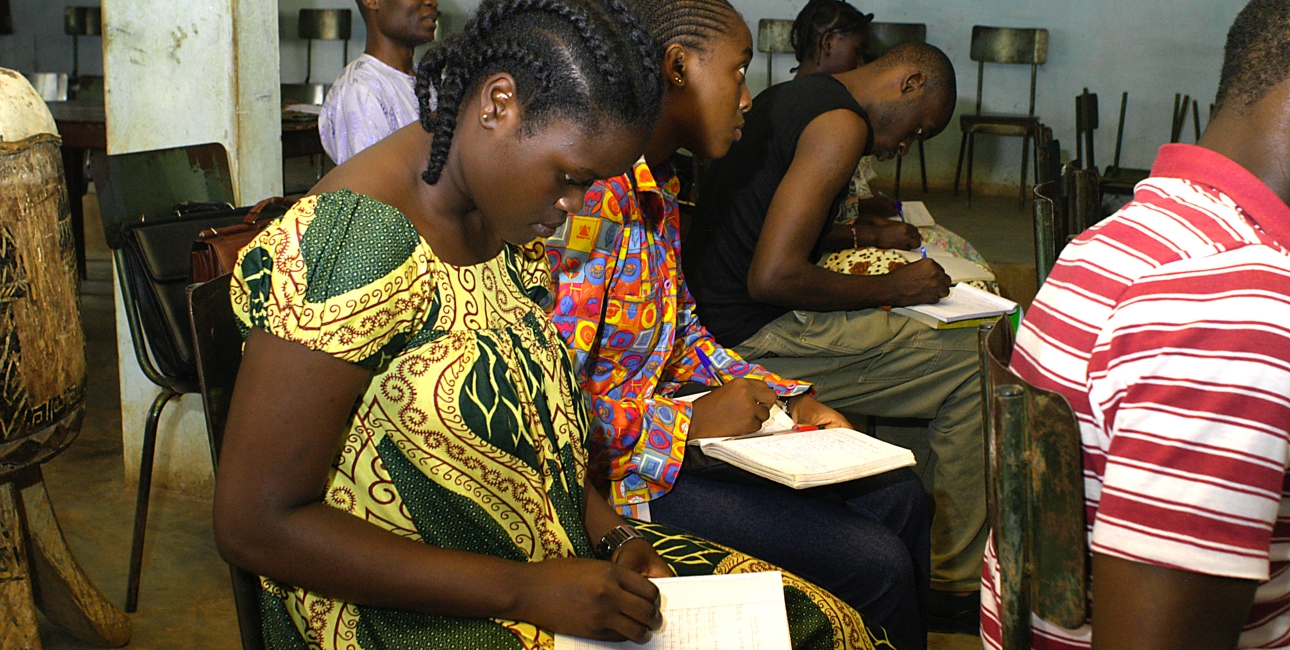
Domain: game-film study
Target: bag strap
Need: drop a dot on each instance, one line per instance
(254, 215)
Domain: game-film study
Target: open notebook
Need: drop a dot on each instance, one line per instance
(803, 459)
(958, 268)
(965, 304)
(723, 612)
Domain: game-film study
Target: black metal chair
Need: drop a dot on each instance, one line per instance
(1034, 495)
(218, 343)
(1002, 45)
(1116, 179)
(151, 243)
(883, 37)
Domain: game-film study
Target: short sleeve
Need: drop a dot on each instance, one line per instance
(1188, 381)
(339, 273)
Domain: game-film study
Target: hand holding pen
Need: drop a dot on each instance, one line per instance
(736, 406)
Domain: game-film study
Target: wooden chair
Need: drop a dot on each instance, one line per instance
(1034, 495)
(1002, 45)
(774, 36)
(218, 343)
(1181, 104)
(883, 37)
(1116, 179)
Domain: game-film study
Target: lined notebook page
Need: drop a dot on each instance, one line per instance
(725, 612)
(817, 452)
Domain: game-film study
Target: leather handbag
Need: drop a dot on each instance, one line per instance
(215, 250)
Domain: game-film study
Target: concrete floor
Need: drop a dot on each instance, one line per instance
(185, 600)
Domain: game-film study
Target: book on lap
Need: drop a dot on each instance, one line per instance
(744, 611)
(964, 304)
(803, 459)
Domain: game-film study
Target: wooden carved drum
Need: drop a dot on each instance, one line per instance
(42, 345)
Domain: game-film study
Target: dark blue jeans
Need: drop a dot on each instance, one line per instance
(866, 541)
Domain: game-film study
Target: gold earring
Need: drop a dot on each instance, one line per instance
(485, 117)
(678, 79)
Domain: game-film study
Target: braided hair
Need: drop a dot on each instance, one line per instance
(688, 22)
(1257, 54)
(820, 17)
(589, 61)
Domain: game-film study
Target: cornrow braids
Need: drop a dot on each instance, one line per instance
(688, 22)
(589, 61)
(820, 17)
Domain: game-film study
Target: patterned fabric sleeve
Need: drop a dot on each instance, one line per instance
(340, 273)
(684, 365)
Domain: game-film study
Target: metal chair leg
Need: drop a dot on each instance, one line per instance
(922, 165)
(958, 167)
(1025, 159)
(971, 149)
(141, 499)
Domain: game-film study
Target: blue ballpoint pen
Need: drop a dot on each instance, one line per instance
(710, 367)
(712, 372)
(923, 249)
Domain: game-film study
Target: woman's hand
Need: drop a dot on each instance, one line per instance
(740, 406)
(639, 556)
(590, 598)
(808, 410)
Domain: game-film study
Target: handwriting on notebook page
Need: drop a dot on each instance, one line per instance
(724, 612)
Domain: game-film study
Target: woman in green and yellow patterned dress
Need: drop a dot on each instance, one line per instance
(404, 458)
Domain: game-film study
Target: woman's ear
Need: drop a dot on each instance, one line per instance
(498, 106)
(827, 41)
(674, 68)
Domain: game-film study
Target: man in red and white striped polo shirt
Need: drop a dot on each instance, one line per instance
(1167, 327)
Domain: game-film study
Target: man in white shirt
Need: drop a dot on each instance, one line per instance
(374, 96)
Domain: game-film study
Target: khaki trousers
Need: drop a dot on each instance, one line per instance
(883, 364)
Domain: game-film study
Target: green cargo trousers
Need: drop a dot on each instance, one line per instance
(883, 364)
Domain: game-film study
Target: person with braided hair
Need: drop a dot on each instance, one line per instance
(623, 307)
(404, 461)
(829, 36)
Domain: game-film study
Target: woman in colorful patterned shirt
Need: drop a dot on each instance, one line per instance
(404, 461)
(623, 307)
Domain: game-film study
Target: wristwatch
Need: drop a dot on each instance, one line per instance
(614, 540)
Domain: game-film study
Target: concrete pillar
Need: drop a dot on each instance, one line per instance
(182, 73)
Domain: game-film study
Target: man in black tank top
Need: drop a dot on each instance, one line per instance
(764, 216)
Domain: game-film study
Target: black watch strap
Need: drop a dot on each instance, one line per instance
(614, 540)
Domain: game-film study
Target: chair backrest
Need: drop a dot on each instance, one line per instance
(149, 184)
(1008, 45)
(324, 24)
(1086, 122)
(884, 36)
(1048, 155)
(1035, 495)
(218, 342)
(1085, 207)
(1119, 129)
(774, 36)
(1047, 227)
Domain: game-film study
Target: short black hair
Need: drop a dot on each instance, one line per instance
(819, 17)
(589, 61)
(1257, 55)
(691, 23)
(942, 83)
